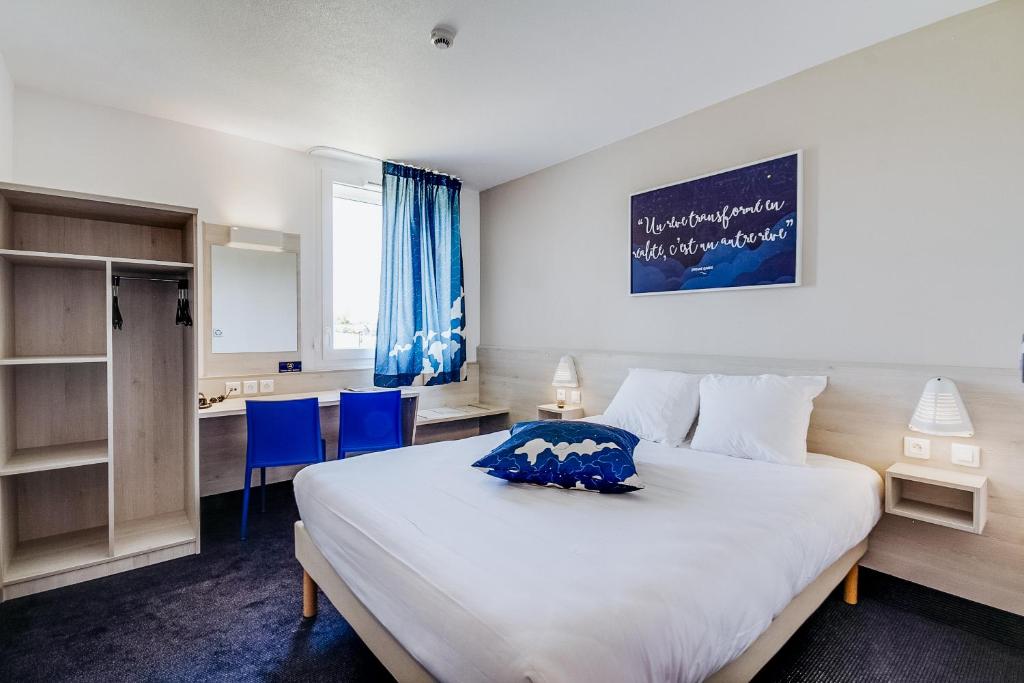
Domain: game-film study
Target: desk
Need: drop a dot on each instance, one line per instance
(222, 433)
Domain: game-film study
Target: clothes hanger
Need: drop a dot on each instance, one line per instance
(183, 313)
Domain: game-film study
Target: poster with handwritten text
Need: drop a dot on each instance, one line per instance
(733, 229)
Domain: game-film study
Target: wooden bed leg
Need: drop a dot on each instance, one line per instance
(308, 595)
(850, 586)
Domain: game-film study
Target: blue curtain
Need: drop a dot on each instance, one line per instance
(420, 337)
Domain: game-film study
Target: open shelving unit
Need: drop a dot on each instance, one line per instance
(957, 500)
(98, 447)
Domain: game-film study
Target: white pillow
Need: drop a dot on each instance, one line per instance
(759, 418)
(657, 405)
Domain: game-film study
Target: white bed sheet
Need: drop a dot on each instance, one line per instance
(481, 580)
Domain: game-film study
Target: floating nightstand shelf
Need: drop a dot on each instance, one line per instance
(953, 499)
(551, 411)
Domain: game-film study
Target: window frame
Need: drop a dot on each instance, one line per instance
(336, 359)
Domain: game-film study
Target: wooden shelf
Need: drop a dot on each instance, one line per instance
(430, 416)
(945, 497)
(90, 394)
(123, 266)
(56, 457)
(46, 258)
(152, 533)
(52, 360)
(118, 264)
(54, 554)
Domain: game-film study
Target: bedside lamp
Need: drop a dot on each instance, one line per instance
(565, 376)
(941, 411)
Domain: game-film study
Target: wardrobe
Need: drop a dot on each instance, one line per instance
(98, 425)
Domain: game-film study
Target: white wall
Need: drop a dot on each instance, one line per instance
(231, 180)
(914, 236)
(6, 122)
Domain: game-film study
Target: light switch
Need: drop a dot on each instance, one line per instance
(966, 455)
(232, 388)
(251, 386)
(916, 447)
(266, 386)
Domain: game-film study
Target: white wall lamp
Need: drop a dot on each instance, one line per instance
(565, 376)
(941, 411)
(256, 238)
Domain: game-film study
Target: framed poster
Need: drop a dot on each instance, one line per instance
(732, 229)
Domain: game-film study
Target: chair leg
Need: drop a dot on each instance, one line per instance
(263, 489)
(850, 586)
(308, 595)
(245, 502)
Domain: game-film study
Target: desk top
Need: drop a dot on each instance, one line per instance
(236, 406)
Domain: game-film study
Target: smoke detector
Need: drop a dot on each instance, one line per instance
(442, 38)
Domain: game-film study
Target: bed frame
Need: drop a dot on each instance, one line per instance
(405, 669)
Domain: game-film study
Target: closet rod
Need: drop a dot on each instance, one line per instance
(151, 279)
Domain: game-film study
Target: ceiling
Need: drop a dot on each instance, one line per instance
(528, 83)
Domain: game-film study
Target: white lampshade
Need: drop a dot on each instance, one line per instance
(565, 373)
(941, 411)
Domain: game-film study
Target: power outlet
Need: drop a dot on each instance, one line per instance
(914, 447)
(232, 388)
(266, 386)
(966, 455)
(250, 386)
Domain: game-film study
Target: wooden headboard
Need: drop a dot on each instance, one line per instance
(861, 416)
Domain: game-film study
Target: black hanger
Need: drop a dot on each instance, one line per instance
(183, 314)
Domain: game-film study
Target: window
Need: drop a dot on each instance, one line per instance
(352, 271)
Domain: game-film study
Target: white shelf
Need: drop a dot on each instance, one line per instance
(50, 259)
(152, 533)
(54, 554)
(55, 457)
(52, 360)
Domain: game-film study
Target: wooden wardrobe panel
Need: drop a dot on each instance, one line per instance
(6, 224)
(61, 501)
(59, 311)
(70, 235)
(60, 403)
(149, 430)
(8, 520)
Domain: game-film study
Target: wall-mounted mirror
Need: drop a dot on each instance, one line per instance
(254, 296)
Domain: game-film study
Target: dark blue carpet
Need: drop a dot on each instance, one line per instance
(233, 614)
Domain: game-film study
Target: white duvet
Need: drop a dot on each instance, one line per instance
(481, 580)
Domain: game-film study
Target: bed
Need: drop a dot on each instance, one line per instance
(448, 574)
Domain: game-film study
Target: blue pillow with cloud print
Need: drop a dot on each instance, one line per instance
(572, 455)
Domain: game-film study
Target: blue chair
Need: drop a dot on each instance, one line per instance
(279, 433)
(369, 421)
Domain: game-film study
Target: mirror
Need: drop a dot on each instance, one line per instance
(254, 300)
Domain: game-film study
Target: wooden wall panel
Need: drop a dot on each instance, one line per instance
(149, 414)
(60, 403)
(71, 235)
(59, 311)
(59, 501)
(861, 416)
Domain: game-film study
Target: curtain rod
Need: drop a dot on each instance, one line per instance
(334, 152)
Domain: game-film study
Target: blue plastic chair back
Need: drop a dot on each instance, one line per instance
(283, 432)
(370, 421)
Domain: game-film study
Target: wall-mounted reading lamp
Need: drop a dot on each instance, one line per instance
(941, 411)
